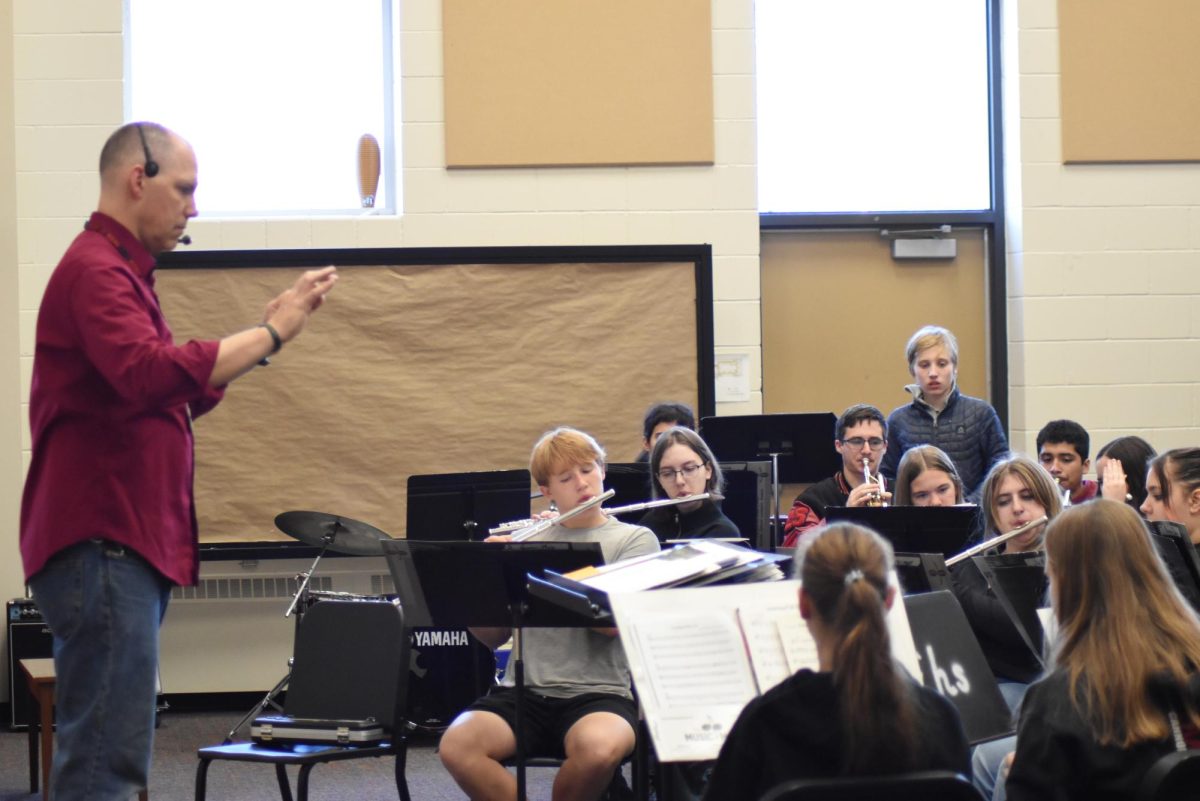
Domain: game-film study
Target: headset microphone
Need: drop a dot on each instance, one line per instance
(151, 167)
(185, 240)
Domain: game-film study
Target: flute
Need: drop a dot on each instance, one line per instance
(516, 525)
(994, 541)
(637, 507)
(537, 528)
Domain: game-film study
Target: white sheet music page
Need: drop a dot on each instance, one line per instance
(904, 649)
(698, 655)
(694, 654)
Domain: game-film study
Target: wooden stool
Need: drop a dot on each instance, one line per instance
(41, 678)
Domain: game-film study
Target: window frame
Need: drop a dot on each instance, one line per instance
(991, 220)
(390, 145)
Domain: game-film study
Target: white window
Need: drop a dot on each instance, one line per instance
(273, 94)
(872, 105)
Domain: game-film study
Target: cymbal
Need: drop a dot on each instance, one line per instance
(341, 534)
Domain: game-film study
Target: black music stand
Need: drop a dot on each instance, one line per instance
(953, 664)
(920, 573)
(1019, 582)
(1176, 549)
(799, 447)
(459, 584)
(463, 506)
(631, 481)
(915, 529)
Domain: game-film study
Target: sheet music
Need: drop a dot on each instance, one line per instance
(799, 648)
(696, 661)
(904, 649)
(699, 655)
(778, 642)
(690, 661)
(667, 567)
(1049, 624)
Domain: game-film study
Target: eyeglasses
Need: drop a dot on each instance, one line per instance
(687, 471)
(857, 443)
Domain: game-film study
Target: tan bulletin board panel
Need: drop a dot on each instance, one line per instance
(1130, 73)
(577, 82)
(426, 369)
(838, 311)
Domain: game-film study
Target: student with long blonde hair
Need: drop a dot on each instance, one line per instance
(1127, 642)
(860, 713)
(1016, 491)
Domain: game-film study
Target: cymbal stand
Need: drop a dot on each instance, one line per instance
(302, 590)
(301, 593)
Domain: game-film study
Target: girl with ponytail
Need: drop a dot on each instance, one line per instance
(860, 714)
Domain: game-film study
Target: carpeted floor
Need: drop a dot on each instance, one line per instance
(181, 733)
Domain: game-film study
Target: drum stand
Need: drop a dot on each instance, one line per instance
(269, 699)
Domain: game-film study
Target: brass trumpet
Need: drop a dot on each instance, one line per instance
(877, 495)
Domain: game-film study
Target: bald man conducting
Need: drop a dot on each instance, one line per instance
(108, 523)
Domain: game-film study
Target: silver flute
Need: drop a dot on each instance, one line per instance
(516, 525)
(994, 541)
(520, 535)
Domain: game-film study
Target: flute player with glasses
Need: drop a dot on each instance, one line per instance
(682, 466)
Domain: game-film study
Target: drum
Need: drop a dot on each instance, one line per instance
(449, 670)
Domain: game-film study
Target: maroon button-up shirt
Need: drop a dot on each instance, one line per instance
(109, 410)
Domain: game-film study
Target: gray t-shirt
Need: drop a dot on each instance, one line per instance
(566, 662)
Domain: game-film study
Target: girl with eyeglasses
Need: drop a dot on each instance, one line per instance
(681, 465)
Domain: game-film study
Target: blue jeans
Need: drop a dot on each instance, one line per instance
(988, 758)
(104, 605)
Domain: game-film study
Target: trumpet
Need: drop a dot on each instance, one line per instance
(997, 540)
(877, 498)
(1066, 493)
(517, 525)
(541, 525)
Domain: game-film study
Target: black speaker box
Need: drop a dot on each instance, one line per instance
(28, 638)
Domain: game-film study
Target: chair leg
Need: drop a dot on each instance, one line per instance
(202, 779)
(285, 789)
(401, 776)
(302, 782)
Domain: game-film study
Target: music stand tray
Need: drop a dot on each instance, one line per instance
(801, 443)
(914, 529)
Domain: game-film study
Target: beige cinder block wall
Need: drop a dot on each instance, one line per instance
(65, 95)
(1104, 277)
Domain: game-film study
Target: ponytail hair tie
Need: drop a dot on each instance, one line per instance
(853, 576)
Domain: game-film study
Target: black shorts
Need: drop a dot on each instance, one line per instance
(547, 720)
